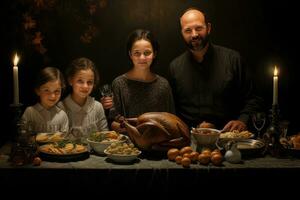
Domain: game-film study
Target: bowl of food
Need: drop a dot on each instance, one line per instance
(236, 135)
(99, 141)
(205, 137)
(251, 147)
(122, 152)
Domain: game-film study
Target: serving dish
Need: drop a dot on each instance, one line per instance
(99, 141)
(122, 158)
(63, 151)
(291, 146)
(236, 135)
(204, 137)
(122, 152)
(251, 147)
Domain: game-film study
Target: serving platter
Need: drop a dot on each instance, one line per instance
(251, 147)
(290, 147)
(53, 152)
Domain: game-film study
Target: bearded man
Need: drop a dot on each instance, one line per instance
(210, 82)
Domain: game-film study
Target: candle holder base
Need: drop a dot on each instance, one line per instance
(272, 136)
(16, 111)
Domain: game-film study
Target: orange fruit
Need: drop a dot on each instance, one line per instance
(186, 162)
(194, 156)
(216, 159)
(178, 160)
(172, 154)
(186, 149)
(37, 161)
(206, 151)
(204, 159)
(215, 152)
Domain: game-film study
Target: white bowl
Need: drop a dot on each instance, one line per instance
(122, 158)
(99, 147)
(205, 136)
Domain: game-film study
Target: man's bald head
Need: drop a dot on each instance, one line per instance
(195, 29)
(193, 13)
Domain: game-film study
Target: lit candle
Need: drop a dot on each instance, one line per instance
(275, 86)
(16, 80)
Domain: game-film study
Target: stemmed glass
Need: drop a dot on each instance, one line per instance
(106, 91)
(259, 120)
(283, 125)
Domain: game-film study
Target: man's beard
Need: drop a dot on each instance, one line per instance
(198, 43)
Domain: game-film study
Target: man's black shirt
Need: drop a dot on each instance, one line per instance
(216, 90)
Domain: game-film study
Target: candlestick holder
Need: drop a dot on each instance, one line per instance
(16, 114)
(272, 135)
(23, 146)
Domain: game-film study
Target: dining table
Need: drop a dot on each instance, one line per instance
(148, 172)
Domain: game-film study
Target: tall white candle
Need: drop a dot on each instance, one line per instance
(275, 86)
(16, 80)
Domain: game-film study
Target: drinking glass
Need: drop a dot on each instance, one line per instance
(106, 91)
(259, 120)
(283, 125)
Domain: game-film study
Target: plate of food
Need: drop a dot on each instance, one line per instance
(236, 135)
(49, 137)
(292, 144)
(251, 147)
(63, 151)
(122, 152)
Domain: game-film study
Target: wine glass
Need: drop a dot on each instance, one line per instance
(283, 125)
(259, 120)
(106, 91)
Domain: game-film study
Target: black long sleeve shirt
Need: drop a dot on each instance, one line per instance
(216, 90)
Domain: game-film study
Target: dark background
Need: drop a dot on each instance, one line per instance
(264, 32)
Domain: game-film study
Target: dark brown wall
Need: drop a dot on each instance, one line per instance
(261, 31)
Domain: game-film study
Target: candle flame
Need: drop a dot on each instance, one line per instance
(275, 71)
(16, 60)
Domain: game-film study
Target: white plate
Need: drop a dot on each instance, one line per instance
(121, 158)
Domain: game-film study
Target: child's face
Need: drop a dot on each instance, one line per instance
(82, 83)
(142, 54)
(49, 93)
